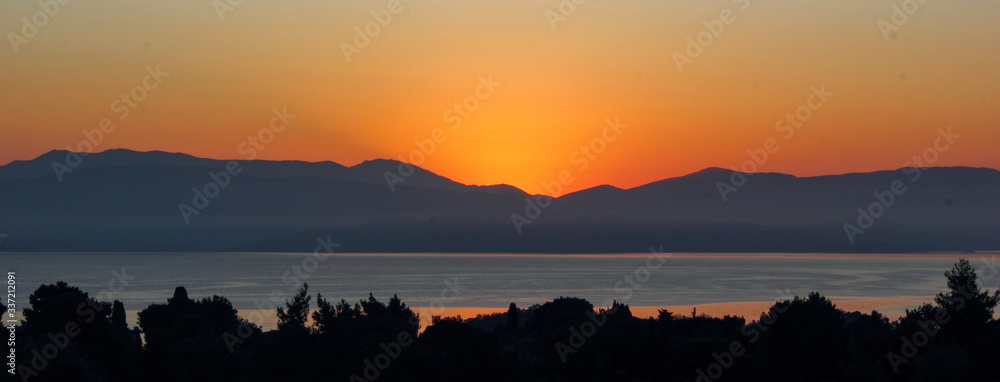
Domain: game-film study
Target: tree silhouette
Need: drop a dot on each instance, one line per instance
(185, 339)
(807, 336)
(333, 320)
(513, 317)
(180, 296)
(67, 334)
(295, 315)
(118, 315)
(969, 307)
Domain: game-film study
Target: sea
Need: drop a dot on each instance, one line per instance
(445, 284)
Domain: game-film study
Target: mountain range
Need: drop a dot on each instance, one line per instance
(122, 200)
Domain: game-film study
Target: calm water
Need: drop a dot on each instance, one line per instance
(489, 281)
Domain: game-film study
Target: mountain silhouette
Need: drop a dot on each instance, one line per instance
(122, 200)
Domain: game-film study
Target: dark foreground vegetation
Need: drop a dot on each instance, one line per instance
(68, 336)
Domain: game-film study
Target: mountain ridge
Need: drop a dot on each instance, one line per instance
(385, 164)
(133, 201)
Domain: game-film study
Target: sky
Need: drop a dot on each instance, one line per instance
(613, 92)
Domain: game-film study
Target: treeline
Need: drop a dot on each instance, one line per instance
(68, 336)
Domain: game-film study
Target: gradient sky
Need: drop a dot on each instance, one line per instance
(607, 59)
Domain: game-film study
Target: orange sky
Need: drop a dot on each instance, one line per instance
(607, 59)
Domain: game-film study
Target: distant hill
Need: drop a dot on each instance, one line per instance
(122, 200)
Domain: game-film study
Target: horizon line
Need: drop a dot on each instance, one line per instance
(705, 169)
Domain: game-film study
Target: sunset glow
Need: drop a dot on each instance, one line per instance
(555, 83)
